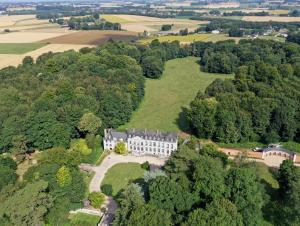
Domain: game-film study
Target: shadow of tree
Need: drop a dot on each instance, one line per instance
(182, 121)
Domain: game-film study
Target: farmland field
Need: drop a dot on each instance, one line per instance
(15, 59)
(165, 98)
(271, 18)
(190, 38)
(19, 48)
(91, 37)
(136, 23)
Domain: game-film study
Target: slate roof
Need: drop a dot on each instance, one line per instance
(153, 135)
(144, 134)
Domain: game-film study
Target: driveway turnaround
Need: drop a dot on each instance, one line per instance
(114, 159)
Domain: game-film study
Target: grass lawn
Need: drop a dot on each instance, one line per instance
(19, 48)
(120, 175)
(165, 98)
(190, 38)
(82, 219)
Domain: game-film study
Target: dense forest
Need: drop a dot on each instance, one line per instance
(204, 188)
(260, 104)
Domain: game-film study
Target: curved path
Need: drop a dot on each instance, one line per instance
(114, 159)
(105, 165)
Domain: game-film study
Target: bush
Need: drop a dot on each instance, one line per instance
(120, 148)
(146, 166)
(81, 146)
(106, 189)
(96, 199)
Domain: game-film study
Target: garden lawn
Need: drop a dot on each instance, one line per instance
(82, 219)
(19, 48)
(165, 98)
(120, 175)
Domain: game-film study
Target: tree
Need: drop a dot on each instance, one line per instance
(97, 199)
(235, 32)
(28, 60)
(7, 176)
(245, 192)
(169, 195)
(44, 131)
(152, 66)
(286, 177)
(63, 176)
(218, 213)
(80, 146)
(89, 123)
(148, 215)
(28, 205)
(208, 177)
(120, 148)
(130, 199)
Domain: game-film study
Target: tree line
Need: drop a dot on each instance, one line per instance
(204, 188)
(260, 104)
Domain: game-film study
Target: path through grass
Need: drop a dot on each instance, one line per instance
(165, 98)
(19, 48)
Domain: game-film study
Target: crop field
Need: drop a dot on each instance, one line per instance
(136, 23)
(166, 98)
(22, 22)
(19, 48)
(271, 18)
(91, 37)
(190, 38)
(15, 59)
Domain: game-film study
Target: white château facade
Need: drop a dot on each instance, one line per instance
(142, 142)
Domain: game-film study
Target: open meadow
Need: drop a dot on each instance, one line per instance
(166, 98)
(190, 38)
(136, 23)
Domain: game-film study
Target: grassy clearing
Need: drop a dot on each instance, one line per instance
(166, 98)
(114, 18)
(190, 38)
(82, 219)
(19, 48)
(120, 175)
(266, 176)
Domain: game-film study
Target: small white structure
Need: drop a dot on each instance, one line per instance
(142, 142)
(215, 32)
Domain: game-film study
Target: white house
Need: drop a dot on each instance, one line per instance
(142, 142)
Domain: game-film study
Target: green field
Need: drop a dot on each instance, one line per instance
(19, 48)
(165, 98)
(120, 175)
(82, 219)
(190, 38)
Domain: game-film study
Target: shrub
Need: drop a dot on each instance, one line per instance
(120, 148)
(96, 198)
(81, 146)
(146, 166)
